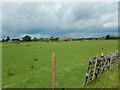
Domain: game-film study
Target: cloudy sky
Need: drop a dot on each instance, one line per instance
(78, 19)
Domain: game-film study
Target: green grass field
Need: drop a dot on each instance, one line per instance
(71, 65)
(0, 65)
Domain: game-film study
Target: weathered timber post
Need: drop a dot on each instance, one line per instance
(111, 60)
(53, 71)
(95, 65)
(87, 76)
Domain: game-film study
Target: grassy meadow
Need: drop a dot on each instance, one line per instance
(0, 65)
(28, 65)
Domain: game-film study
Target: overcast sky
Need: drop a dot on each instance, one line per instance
(59, 19)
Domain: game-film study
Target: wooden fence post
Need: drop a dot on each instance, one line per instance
(95, 65)
(111, 61)
(53, 71)
(87, 74)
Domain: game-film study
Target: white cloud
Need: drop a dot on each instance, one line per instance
(46, 19)
(60, 0)
(110, 25)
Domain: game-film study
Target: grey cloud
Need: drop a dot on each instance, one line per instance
(58, 19)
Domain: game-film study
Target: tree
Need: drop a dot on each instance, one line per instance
(57, 38)
(41, 39)
(26, 38)
(51, 38)
(35, 39)
(8, 39)
(3, 40)
(107, 37)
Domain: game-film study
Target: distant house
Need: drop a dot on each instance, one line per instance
(13, 40)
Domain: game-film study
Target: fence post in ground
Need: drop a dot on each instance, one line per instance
(87, 75)
(98, 65)
(53, 71)
(111, 61)
(95, 67)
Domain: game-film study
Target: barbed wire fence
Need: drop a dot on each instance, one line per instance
(99, 64)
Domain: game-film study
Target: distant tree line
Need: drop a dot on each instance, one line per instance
(28, 38)
(52, 39)
(6, 40)
(111, 37)
(107, 37)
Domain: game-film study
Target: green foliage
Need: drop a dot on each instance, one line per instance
(8, 39)
(43, 39)
(71, 64)
(53, 39)
(26, 38)
(112, 37)
(3, 40)
(35, 39)
(107, 37)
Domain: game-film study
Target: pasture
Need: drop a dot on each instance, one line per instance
(28, 65)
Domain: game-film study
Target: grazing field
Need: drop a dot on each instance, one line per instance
(0, 65)
(28, 65)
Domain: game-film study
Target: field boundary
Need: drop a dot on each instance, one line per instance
(99, 64)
